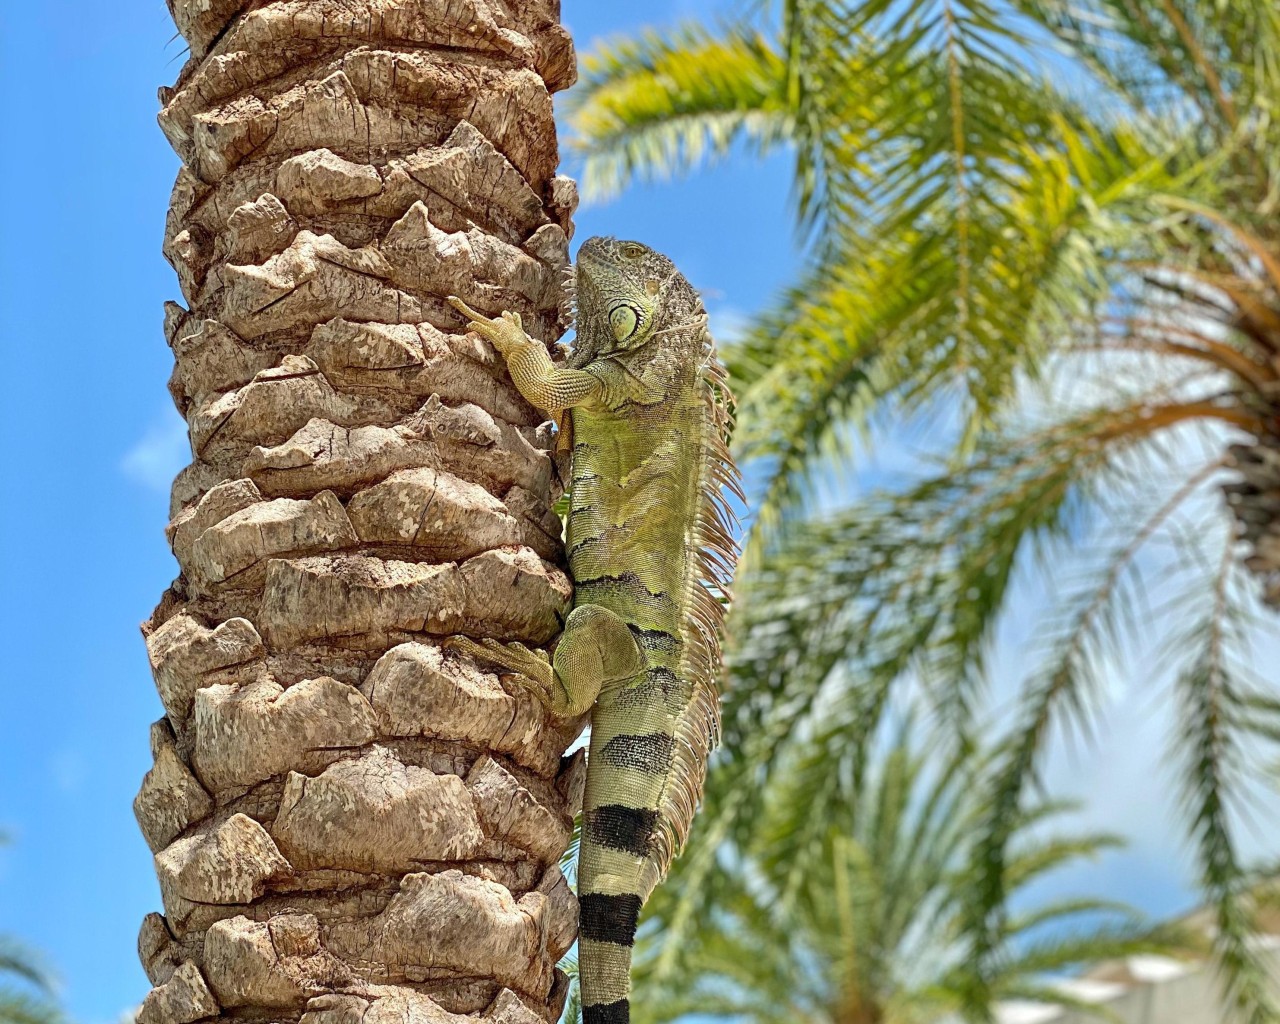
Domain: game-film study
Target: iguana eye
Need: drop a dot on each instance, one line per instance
(632, 251)
(624, 320)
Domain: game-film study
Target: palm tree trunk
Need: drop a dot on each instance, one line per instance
(348, 819)
(1254, 497)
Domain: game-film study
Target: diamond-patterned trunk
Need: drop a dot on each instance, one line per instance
(349, 822)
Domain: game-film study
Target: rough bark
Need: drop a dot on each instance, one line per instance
(1254, 497)
(349, 822)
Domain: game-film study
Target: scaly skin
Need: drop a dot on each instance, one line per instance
(651, 553)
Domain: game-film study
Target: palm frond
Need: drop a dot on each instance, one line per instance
(19, 962)
(22, 1008)
(878, 330)
(1047, 855)
(1168, 56)
(1212, 776)
(30, 1000)
(875, 919)
(573, 1005)
(1067, 684)
(663, 104)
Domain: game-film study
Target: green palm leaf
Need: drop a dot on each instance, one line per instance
(27, 987)
(19, 1008)
(659, 105)
(872, 929)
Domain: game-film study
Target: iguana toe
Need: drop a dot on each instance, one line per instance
(515, 657)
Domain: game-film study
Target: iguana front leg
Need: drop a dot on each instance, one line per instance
(595, 650)
(549, 387)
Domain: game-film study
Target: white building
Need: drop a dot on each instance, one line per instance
(1147, 989)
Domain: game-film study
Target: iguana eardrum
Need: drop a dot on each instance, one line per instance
(651, 552)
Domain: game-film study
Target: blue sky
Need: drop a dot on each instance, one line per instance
(91, 441)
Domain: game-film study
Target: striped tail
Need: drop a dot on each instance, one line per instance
(616, 869)
(607, 933)
(637, 750)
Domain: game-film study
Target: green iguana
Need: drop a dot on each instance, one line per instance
(652, 552)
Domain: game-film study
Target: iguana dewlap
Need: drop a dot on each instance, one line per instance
(651, 551)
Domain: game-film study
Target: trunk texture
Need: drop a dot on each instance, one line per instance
(349, 822)
(1255, 500)
(1254, 494)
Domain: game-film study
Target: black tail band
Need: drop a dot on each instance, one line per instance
(627, 829)
(607, 1013)
(609, 918)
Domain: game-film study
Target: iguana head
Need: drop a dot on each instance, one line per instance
(625, 292)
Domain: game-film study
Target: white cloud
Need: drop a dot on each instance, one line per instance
(158, 456)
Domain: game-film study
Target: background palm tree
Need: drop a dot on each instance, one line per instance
(26, 987)
(1045, 229)
(345, 817)
(861, 920)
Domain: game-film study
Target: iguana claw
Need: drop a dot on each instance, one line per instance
(533, 672)
(506, 333)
